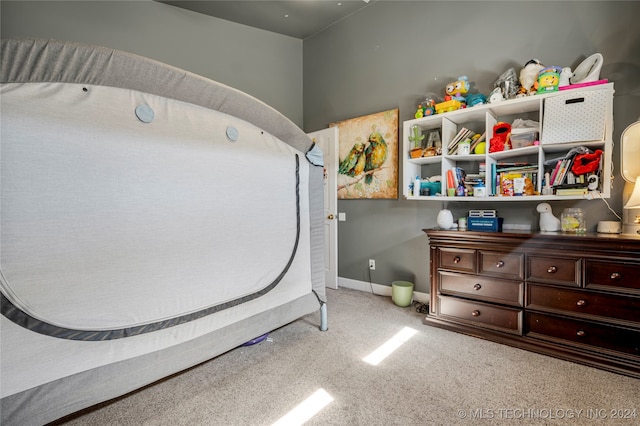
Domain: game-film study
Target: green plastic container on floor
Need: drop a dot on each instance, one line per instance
(402, 293)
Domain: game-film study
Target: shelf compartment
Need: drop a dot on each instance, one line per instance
(484, 117)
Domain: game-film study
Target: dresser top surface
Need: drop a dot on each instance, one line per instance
(548, 240)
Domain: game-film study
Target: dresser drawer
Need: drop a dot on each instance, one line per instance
(505, 265)
(481, 314)
(603, 307)
(481, 288)
(579, 332)
(457, 259)
(614, 276)
(556, 270)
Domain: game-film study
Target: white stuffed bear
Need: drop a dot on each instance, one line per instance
(548, 222)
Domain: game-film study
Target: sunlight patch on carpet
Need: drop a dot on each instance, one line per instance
(306, 409)
(388, 347)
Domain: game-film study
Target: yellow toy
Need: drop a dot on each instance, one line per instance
(458, 89)
(548, 79)
(447, 106)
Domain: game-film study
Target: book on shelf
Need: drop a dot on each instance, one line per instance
(517, 169)
(458, 137)
(463, 134)
(572, 191)
(565, 167)
(517, 164)
(554, 172)
(571, 185)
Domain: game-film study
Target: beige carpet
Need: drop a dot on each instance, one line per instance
(436, 378)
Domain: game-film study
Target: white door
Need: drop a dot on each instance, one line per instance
(327, 141)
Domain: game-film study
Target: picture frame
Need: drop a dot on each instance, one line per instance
(368, 156)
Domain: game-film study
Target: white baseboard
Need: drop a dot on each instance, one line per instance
(383, 290)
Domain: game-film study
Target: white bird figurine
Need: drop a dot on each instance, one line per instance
(565, 75)
(548, 222)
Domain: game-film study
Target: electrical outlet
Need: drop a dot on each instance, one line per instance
(372, 264)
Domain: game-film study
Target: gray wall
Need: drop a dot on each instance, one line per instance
(261, 63)
(392, 52)
(385, 56)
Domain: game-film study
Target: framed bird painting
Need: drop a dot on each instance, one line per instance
(368, 156)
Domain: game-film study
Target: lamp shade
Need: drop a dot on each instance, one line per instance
(634, 200)
(630, 152)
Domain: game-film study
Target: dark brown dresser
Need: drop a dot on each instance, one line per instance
(575, 297)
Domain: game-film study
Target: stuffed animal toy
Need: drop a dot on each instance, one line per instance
(586, 163)
(548, 222)
(500, 140)
(529, 76)
(529, 189)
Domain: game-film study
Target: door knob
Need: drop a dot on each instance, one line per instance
(331, 217)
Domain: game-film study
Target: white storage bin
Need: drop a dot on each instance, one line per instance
(577, 116)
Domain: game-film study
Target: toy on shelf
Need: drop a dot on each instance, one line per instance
(417, 138)
(500, 140)
(447, 106)
(508, 84)
(457, 89)
(548, 80)
(454, 96)
(496, 96)
(476, 99)
(426, 109)
(565, 77)
(427, 105)
(529, 77)
(588, 70)
(480, 148)
(586, 162)
(434, 143)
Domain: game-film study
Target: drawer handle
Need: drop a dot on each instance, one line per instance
(476, 313)
(499, 264)
(456, 259)
(616, 276)
(581, 333)
(581, 302)
(477, 286)
(552, 269)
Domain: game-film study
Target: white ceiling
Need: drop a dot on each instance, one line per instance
(300, 19)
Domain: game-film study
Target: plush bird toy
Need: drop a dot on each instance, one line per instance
(376, 154)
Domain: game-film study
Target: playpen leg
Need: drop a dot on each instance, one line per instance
(323, 317)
